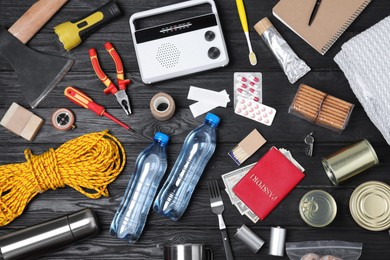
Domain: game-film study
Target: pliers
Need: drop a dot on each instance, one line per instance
(120, 93)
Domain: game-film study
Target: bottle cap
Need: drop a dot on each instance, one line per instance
(214, 119)
(163, 138)
(263, 25)
(317, 208)
(249, 238)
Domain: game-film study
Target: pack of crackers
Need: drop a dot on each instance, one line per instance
(321, 109)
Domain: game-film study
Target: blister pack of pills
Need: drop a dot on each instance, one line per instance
(248, 85)
(253, 110)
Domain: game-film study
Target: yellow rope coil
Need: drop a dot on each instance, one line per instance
(91, 161)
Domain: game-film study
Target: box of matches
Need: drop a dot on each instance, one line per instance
(248, 146)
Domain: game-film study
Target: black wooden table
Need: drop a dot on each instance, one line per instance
(198, 225)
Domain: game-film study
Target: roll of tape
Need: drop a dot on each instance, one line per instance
(162, 106)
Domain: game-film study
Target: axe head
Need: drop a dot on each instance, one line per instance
(38, 73)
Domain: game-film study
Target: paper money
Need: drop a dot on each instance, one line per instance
(289, 156)
(252, 216)
(242, 208)
(230, 179)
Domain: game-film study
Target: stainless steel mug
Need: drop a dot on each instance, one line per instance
(188, 252)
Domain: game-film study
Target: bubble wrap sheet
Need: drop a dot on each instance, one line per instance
(365, 61)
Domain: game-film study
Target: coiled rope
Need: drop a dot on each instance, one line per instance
(91, 162)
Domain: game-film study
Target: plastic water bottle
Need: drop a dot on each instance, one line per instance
(198, 147)
(150, 167)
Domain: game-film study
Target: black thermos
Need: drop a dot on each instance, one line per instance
(34, 241)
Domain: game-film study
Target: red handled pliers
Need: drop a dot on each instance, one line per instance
(120, 93)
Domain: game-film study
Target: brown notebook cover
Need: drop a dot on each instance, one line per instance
(332, 19)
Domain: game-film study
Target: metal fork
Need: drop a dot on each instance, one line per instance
(217, 208)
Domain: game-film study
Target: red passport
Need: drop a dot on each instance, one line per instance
(268, 182)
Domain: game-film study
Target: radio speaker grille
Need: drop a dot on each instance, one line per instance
(168, 55)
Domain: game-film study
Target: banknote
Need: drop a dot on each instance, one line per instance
(230, 179)
(289, 156)
(252, 216)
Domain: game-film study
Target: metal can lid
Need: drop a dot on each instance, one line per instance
(370, 205)
(317, 208)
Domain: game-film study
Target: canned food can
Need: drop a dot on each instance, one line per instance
(318, 208)
(370, 205)
(349, 161)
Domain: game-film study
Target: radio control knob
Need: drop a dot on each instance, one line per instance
(209, 36)
(214, 53)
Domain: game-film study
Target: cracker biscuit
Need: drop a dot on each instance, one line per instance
(308, 103)
(332, 107)
(319, 108)
(311, 89)
(323, 121)
(340, 101)
(335, 104)
(305, 109)
(306, 91)
(334, 112)
(309, 96)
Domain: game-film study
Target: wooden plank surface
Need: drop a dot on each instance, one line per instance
(198, 225)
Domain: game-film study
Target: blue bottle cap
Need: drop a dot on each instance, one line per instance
(214, 119)
(163, 138)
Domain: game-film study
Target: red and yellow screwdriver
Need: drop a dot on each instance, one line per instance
(81, 99)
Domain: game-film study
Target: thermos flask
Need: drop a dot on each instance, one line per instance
(34, 241)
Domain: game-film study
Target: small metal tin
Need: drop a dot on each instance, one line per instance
(277, 241)
(349, 161)
(249, 238)
(370, 205)
(317, 208)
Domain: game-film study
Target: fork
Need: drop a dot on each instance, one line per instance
(217, 208)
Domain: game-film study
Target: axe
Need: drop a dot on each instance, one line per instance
(38, 73)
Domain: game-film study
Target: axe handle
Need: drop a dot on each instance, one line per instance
(35, 18)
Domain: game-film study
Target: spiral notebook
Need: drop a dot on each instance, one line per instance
(332, 19)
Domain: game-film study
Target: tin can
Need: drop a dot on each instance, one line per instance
(277, 241)
(370, 205)
(318, 208)
(249, 238)
(349, 161)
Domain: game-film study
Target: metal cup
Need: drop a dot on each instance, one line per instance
(188, 252)
(349, 161)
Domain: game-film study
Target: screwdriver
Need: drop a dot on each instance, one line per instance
(79, 98)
